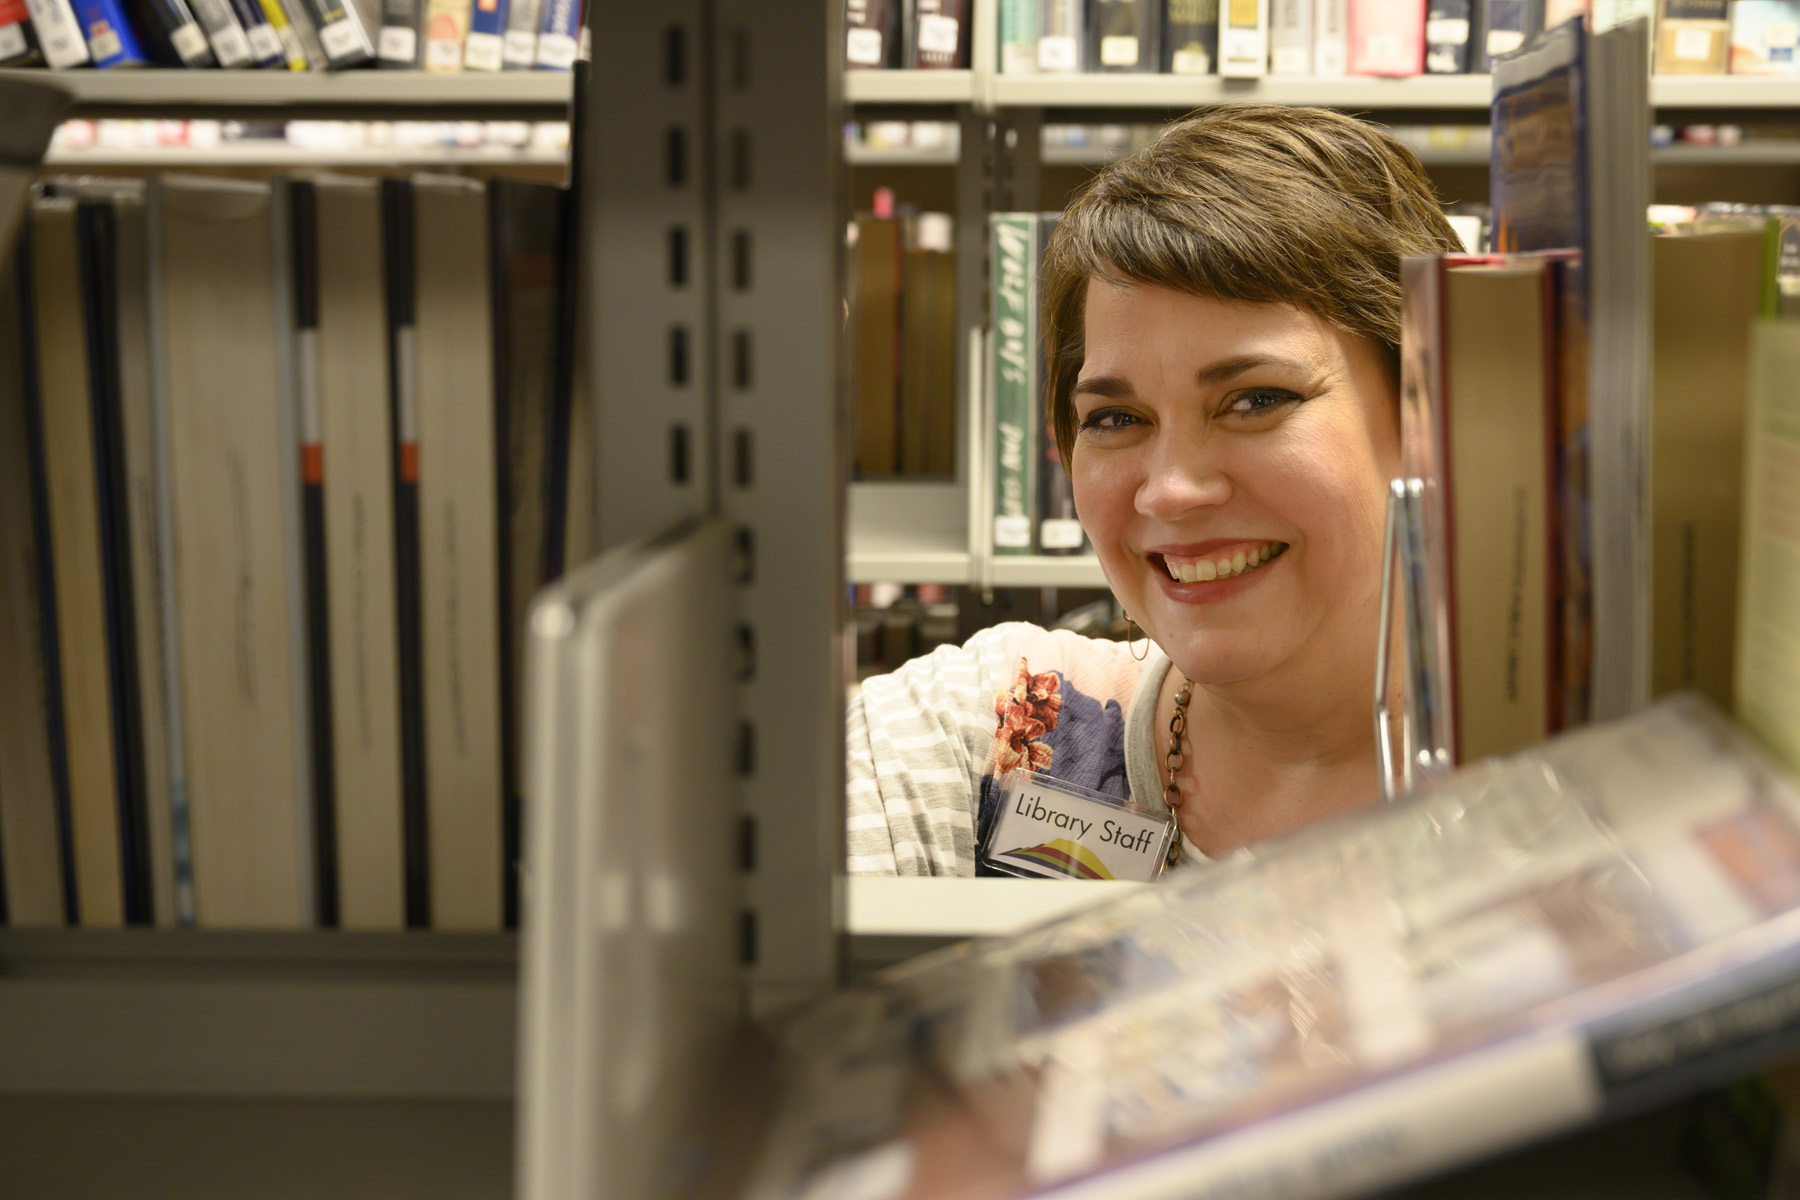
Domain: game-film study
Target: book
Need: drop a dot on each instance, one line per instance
(1190, 37)
(459, 551)
(59, 34)
(172, 35)
(354, 465)
(1057, 530)
(293, 50)
(398, 41)
(1125, 36)
(345, 31)
(223, 32)
(875, 276)
(484, 49)
(1386, 38)
(77, 564)
(1766, 671)
(1764, 34)
(872, 34)
(1448, 27)
(1545, 941)
(399, 292)
(1331, 38)
(1013, 242)
(259, 35)
(559, 36)
(1062, 37)
(1707, 295)
(1291, 37)
(938, 34)
(1693, 37)
(1506, 25)
(522, 19)
(1244, 38)
(234, 532)
(927, 315)
(32, 796)
(18, 45)
(529, 227)
(1018, 36)
(300, 22)
(446, 27)
(112, 42)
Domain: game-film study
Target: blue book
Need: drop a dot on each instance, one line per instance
(484, 46)
(110, 38)
(559, 37)
(265, 44)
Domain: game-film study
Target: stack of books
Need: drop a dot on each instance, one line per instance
(296, 35)
(284, 464)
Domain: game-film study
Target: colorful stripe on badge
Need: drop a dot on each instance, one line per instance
(1063, 857)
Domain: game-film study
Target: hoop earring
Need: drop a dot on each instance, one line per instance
(1131, 625)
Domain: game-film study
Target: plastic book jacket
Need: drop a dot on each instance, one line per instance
(1533, 942)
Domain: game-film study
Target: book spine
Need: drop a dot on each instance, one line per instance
(520, 50)
(110, 39)
(1447, 27)
(18, 45)
(559, 37)
(1018, 37)
(223, 32)
(1061, 38)
(58, 32)
(304, 244)
(1291, 37)
(485, 47)
(1058, 531)
(1244, 38)
(1331, 38)
(1386, 38)
(940, 38)
(399, 43)
(300, 20)
(1764, 37)
(293, 53)
(170, 24)
(1015, 492)
(1190, 37)
(871, 34)
(1692, 37)
(1123, 36)
(446, 29)
(346, 36)
(265, 46)
(397, 237)
(1508, 25)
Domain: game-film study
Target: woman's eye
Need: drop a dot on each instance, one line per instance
(1256, 402)
(1106, 419)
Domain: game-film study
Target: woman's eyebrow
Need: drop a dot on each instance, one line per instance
(1229, 368)
(1109, 387)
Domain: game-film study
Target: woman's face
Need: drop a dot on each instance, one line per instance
(1231, 465)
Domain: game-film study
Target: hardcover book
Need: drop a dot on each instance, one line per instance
(1766, 678)
(1764, 34)
(1447, 29)
(1291, 37)
(59, 34)
(559, 37)
(398, 41)
(484, 49)
(1013, 238)
(1062, 37)
(111, 40)
(18, 45)
(1331, 38)
(293, 50)
(172, 36)
(872, 34)
(938, 34)
(223, 32)
(522, 19)
(1018, 36)
(1244, 38)
(1124, 36)
(265, 46)
(1386, 38)
(1190, 37)
(344, 30)
(1693, 37)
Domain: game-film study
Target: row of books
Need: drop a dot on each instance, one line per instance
(351, 138)
(896, 623)
(283, 464)
(901, 295)
(297, 35)
(1310, 37)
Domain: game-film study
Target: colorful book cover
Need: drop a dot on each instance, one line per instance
(110, 38)
(1693, 37)
(171, 34)
(1058, 530)
(1764, 34)
(18, 46)
(293, 53)
(1386, 39)
(1013, 241)
(265, 47)
(58, 32)
(446, 28)
(484, 49)
(559, 37)
(1190, 37)
(1018, 37)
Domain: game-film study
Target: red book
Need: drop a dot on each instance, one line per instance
(17, 46)
(1387, 37)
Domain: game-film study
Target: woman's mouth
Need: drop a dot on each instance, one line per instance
(1240, 561)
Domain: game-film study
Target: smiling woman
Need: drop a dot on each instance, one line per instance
(1222, 316)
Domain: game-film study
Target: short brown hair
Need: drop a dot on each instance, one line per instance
(1247, 202)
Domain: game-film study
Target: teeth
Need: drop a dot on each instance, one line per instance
(1203, 570)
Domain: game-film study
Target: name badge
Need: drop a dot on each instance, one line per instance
(1049, 829)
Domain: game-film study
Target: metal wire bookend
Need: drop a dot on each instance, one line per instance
(1424, 751)
(1384, 716)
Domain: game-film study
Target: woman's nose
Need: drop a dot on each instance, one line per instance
(1182, 475)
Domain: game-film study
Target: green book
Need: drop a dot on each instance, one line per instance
(1015, 369)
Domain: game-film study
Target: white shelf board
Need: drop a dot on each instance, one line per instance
(909, 532)
(1048, 570)
(1189, 91)
(170, 90)
(1723, 91)
(279, 154)
(888, 906)
(859, 155)
(909, 87)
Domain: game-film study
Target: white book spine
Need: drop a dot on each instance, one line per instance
(1291, 37)
(1331, 38)
(1244, 39)
(58, 33)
